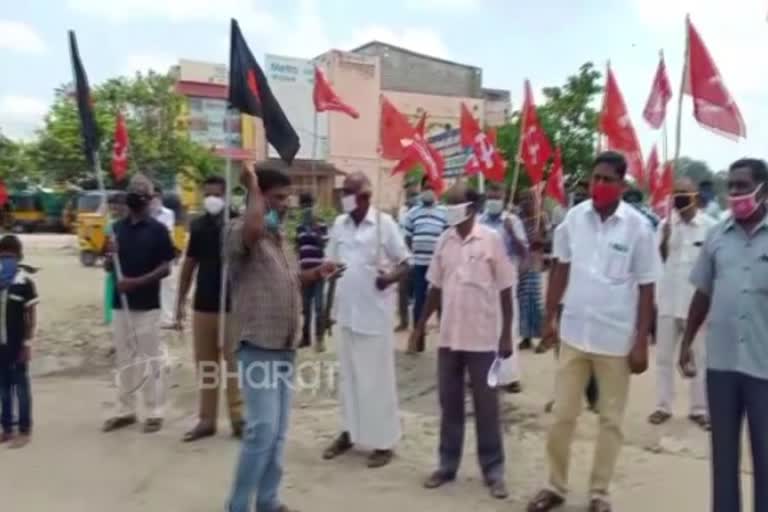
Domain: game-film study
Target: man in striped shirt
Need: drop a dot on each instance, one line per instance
(423, 226)
(311, 237)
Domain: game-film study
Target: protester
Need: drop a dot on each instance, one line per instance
(731, 281)
(423, 226)
(472, 277)
(607, 262)
(681, 239)
(265, 303)
(511, 229)
(708, 200)
(529, 284)
(18, 299)
(311, 237)
(167, 218)
(369, 244)
(140, 257)
(634, 197)
(404, 288)
(117, 211)
(214, 364)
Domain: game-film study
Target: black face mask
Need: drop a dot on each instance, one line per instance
(682, 202)
(136, 202)
(580, 198)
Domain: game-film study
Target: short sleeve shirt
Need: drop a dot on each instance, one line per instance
(732, 269)
(142, 247)
(14, 303)
(205, 248)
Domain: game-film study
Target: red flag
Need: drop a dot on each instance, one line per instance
(661, 92)
(617, 127)
(3, 194)
(556, 181)
(325, 98)
(419, 152)
(535, 149)
(394, 129)
(665, 186)
(120, 149)
(713, 106)
(652, 170)
(484, 157)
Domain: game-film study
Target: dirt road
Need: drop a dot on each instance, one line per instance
(72, 467)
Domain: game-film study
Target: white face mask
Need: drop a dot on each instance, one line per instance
(213, 205)
(494, 206)
(348, 203)
(455, 214)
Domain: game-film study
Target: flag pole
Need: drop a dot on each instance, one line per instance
(664, 135)
(683, 81)
(315, 187)
(516, 171)
(222, 320)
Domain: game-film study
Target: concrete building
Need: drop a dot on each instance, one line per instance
(333, 143)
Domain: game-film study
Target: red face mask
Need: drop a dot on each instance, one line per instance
(605, 194)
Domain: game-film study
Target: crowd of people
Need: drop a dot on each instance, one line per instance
(695, 283)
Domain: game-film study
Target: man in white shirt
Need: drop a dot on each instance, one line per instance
(607, 265)
(369, 244)
(167, 218)
(681, 240)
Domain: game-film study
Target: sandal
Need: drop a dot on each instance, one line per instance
(599, 505)
(545, 501)
(659, 418)
(118, 422)
(199, 432)
(380, 458)
(702, 420)
(153, 425)
(340, 446)
(438, 479)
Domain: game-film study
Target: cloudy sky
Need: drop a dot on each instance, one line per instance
(511, 40)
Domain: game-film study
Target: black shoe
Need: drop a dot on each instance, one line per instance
(526, 344)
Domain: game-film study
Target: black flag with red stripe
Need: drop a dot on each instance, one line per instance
(88, 127)
(249, 93)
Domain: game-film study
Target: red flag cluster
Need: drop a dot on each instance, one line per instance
(484, 157)
(401, 141)
(535, 149)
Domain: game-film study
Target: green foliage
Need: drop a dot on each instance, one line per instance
(569, 117)
(151, 108)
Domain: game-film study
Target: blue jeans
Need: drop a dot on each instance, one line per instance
(266, 381)
(732, 396)
(14, 384)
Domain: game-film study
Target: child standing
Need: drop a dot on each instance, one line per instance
(18, 300)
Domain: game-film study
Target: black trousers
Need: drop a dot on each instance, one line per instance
(452, 367)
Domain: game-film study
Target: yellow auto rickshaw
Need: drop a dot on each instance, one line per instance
(91, 223)
(27, 211)
(180, 234)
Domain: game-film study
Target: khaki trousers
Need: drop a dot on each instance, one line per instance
(573, 373)
(211, 371)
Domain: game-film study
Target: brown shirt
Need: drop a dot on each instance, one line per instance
(265, 289)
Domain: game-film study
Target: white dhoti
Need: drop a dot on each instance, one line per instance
(368, 389)
(168, 298)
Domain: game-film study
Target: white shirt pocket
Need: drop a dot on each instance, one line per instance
(616, 262)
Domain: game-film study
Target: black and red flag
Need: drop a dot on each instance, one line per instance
(88, 127)
(249, 93)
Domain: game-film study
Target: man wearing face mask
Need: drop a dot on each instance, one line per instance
(731, 281)
(370, 246)
(607, 264)
(512, 232)
(681, 239)
(144, 252)
(203, 256)
(472, 277)
(167, 218)
(311, 237)
(266, 304)
(423, 226)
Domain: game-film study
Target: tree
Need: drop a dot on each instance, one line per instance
(570, 120)
(151, 108)
(16, 162)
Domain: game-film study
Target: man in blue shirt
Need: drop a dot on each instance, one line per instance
(731, 281)
(423, 226)
(311, 237)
